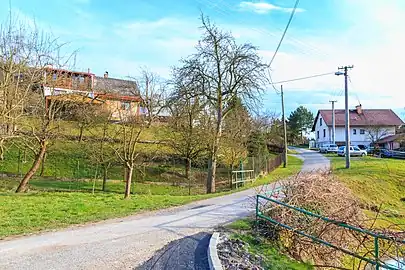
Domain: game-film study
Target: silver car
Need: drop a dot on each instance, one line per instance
(353, 150)
(328, 148)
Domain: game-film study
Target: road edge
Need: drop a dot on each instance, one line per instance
(213, 259)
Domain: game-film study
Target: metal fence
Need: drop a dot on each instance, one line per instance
(375, 260)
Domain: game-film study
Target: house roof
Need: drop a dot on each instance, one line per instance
(392, 138)
(368, 117)
(113, 96)
(117, 86)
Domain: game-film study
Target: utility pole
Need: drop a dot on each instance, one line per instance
(347, 118)
(333, 121)
(285, 128)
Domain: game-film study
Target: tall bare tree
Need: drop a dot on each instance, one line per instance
(221, 70)
(376, 133)
(152, 95)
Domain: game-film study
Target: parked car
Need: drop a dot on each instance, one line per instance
(328, 148)
(353, 150)
(383, 153)
(362, 147)
(371, 150)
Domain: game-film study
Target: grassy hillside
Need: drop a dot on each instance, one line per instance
(376, 182)
(43, 209)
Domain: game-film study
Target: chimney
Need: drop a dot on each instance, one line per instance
(106, 75)
(359, 109)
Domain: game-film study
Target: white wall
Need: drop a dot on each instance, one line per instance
(357, 138)
(328, 132)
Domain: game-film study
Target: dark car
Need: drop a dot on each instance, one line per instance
(384, 153)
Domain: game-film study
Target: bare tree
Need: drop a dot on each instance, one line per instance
(189, 129)
(221, 70)
(24, 51)
(376, 133)
(152, 95)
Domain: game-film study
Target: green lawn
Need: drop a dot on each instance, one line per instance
(271, 253)
(43, 208)
(376, 182)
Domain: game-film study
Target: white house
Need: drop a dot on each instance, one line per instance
(366, 126)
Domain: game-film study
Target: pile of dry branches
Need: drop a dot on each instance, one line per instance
(322, 194)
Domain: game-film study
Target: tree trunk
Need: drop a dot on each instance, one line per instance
(188, 168)
(81, 128)
(214, 153)
(43, 165)
(2, 149)
(105, 171)
(130, 169)
(23, 184)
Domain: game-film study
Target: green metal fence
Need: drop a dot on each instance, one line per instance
(376, 261)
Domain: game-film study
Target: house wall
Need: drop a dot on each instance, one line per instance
(320, 128)
(117, 110)
(68, 80)
(355, 139)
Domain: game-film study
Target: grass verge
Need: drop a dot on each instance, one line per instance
(44, 209)
(376, 182)
(272, 254)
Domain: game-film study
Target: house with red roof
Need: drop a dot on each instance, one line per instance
(367, 126)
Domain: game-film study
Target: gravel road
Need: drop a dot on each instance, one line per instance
(128, 242)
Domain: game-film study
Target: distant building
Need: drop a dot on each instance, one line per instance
(120, 97)
(367, 126)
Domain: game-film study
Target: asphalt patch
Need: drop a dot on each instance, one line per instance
(188, 253)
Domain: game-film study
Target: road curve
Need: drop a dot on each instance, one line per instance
(127, 242)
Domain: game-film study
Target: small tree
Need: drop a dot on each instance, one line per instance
(221, 70)
(86, 115)
(151, 93)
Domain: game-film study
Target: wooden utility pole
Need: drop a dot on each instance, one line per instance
(333, 121)
(285, 128)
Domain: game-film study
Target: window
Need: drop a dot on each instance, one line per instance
(324, 132)
(125, 105)
(356, 148)
(320, 121)
(362, 131)
(54, 76)
(354, 131)
(317, 134)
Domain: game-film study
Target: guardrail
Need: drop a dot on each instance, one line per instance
(376, 261)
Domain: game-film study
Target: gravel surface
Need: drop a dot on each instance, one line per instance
(234, 255)
(125, 243)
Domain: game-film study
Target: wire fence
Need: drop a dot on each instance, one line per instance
(81, 174)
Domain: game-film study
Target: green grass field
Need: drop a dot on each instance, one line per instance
(43, 208)
(376, 182)
(272, 254)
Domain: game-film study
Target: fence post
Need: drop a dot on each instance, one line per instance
(257, 212)
(376, 251)
(19, 163)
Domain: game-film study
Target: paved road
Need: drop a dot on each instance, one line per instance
(127, 242)
(313, 161)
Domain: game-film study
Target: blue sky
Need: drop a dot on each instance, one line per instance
(122, 36)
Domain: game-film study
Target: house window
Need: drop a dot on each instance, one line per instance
(324, 133)
(317, 134)
(354, 131)
(125, 105)
(320, 121)
(362, 131)
(54, 76)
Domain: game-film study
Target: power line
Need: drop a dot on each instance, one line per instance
(285, 31)
(304, 78)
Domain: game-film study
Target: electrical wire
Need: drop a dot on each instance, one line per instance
(304, 78)
(285, 31)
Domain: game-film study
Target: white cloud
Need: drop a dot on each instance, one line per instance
(264, 8)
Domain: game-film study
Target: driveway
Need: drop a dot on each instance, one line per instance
(128, 242)
(313, 161)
